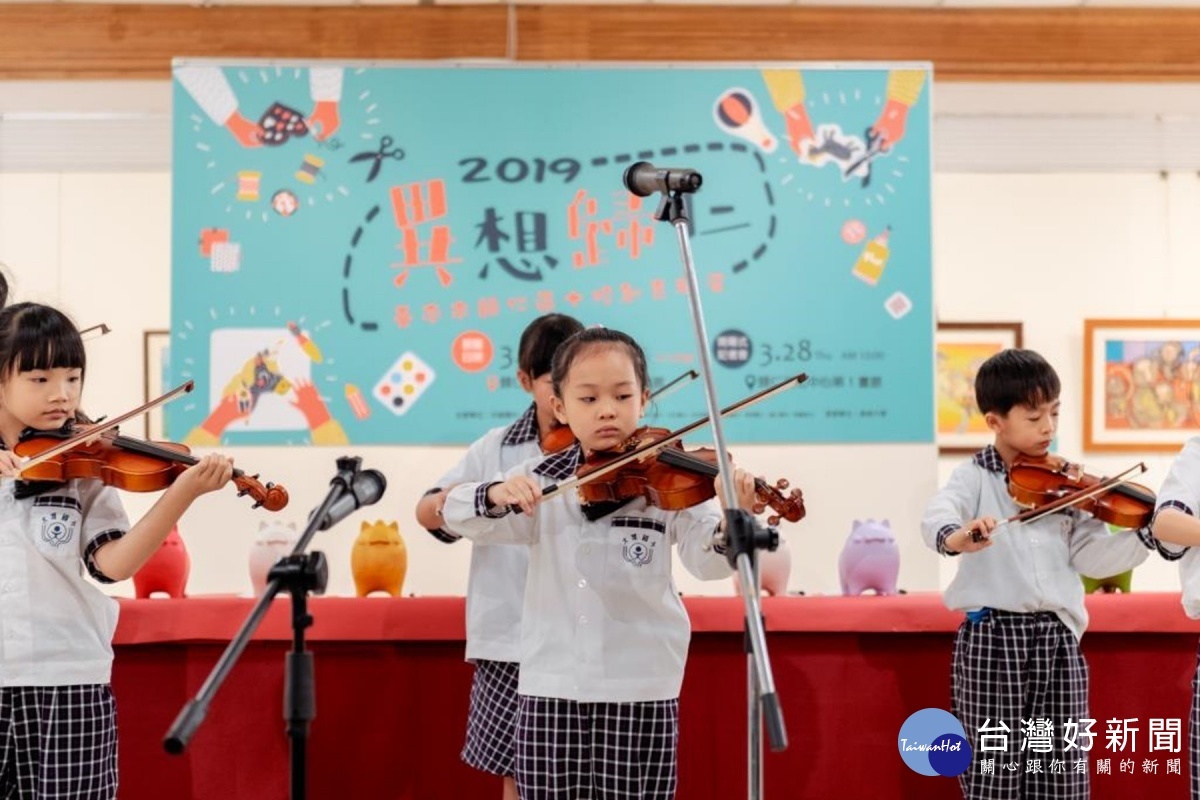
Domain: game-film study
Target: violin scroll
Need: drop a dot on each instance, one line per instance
(789, 506)
(272, 496)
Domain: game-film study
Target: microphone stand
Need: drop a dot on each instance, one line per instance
(743, 535)
(298, 573)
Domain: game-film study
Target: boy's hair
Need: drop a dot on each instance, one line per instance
(598, 337)
(535, 353)
(34, 336)
(1015, 377)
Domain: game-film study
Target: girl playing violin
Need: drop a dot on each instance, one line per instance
(1016, 656)
(57, 715)
(496, 585)
(605, 634)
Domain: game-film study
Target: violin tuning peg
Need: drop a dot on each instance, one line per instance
(773, 521)
(782, 483)
(758, 508)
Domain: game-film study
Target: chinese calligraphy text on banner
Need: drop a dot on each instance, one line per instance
(356, 250)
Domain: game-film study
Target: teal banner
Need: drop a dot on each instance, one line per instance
(356, 250)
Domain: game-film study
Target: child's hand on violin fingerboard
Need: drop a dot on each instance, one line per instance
(974, 536)
(743, 485)
(10, 464)
(519, 490)
(207, 475)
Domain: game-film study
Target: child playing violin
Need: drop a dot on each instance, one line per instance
(1016, 655)
(496, 583)
(57, 715)
(1177, 527)
(605, 634)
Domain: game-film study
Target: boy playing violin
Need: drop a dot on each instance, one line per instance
(1016, 655)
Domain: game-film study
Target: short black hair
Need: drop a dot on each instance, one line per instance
(535, 353)
(35, 336)
(1015, 377)
(598, 337)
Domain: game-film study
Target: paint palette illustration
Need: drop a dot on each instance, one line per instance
(404, 383)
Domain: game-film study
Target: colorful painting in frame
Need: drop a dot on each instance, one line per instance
(1141, 389)
(961, 347)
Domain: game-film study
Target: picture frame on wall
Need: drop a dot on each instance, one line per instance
(1141, 384)
(960, 348)
(156, 363)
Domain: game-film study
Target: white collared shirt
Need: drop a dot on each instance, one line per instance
(1181, 491)
(1029, 567)
(603, 621)
(56, 628)
(496, 581)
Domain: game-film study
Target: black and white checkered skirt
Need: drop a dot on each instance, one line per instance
(492, 719)
(1011, 667)
(58, 742)
(567, 750)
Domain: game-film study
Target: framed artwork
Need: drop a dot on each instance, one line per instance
(1141, 384)
(961, 347)
(156, 363)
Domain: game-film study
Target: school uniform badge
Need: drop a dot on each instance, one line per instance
(58, 527)
(637, 549)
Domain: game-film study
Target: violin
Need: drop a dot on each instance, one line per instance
(127, 463)
(641, 448)
(1052, 481)
(674, 478)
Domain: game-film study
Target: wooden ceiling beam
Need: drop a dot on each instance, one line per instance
(99, 41)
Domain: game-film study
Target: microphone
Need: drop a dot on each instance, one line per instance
(644, 179)
(366, 487)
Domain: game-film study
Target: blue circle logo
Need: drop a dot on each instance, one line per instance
(932, 742)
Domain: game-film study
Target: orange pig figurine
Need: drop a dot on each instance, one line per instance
(379, 559)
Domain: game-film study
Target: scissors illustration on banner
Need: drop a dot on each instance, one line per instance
(385, 151)
(876, 146)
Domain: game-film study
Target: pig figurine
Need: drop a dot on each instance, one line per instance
(870, 559)
(1117, 583)
(379, 559)
(274, 541)
(166, 571)
(774, 569)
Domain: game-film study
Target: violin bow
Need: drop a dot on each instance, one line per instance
(1068, 500)
(107, 425)
(95, 331)
(651, 448)
(677, 382)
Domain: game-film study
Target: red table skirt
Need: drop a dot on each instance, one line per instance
(392, 696)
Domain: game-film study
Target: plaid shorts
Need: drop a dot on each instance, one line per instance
(567, 750)
(492, 719)
(1010, 667)
(58, 743)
